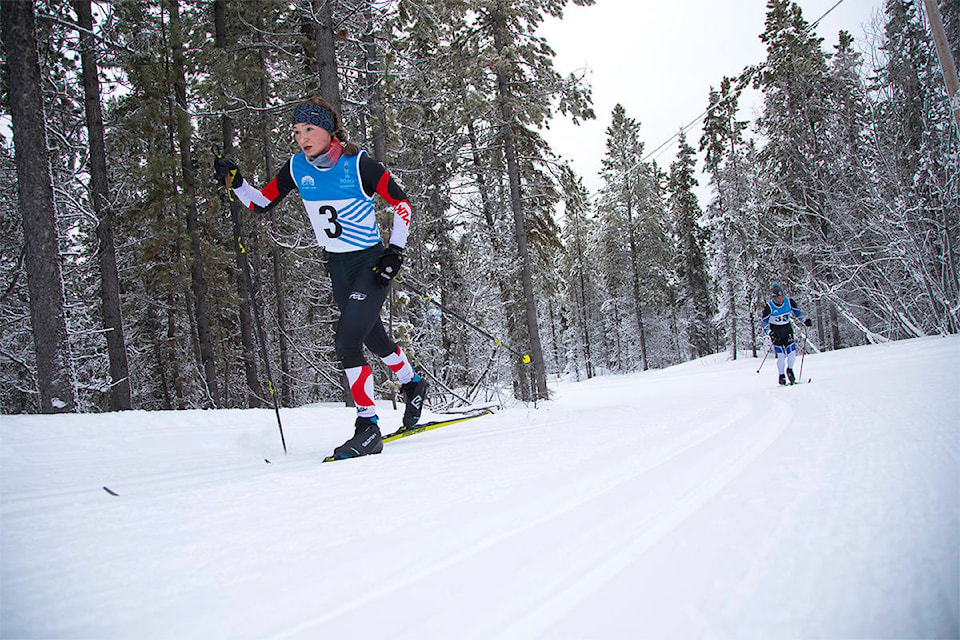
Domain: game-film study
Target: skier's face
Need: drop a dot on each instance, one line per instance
(312, 140)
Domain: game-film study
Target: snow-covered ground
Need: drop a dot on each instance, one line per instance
(694, 502)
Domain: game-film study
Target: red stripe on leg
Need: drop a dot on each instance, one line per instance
(358, 390)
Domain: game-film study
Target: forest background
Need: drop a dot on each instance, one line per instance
(126, 274)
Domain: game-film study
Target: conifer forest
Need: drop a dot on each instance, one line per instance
(130, 279)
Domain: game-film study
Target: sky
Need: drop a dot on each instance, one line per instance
(660, 64)
(697, 501)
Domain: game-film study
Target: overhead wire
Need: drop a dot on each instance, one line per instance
(700, 117)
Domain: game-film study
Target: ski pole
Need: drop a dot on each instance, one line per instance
(261, 338)
(524, 357)
(769, 346)
(803, 353)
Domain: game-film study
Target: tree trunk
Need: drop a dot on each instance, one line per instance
(585, 328)
(731, 293)
(375, 104)
(184, 134)
(160, 360)
(635, 273)
(120, 398)
(504, 97)
(286, 390)
(329, 84)
(835, 328)
(35, 192)
(247, 338)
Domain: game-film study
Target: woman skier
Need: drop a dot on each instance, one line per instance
(336, 181)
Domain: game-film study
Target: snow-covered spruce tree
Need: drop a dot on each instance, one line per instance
(225, 39)
(63, 100)
(578, 274)
(152, 130)
(914, 153)
(695, 302)
(848, 195)
(515, 66)
(848, 246)
(632, 211)
(119, 394)
(795, 83)
(423, 107)
(748, 176)
(182, 125)
(493, 80)
(723, 144)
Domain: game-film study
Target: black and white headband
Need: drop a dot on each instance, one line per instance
(316, 115)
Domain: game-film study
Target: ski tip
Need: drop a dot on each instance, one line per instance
(110, 491)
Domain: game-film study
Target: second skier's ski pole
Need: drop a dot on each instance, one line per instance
(803, 354)
(769, 346)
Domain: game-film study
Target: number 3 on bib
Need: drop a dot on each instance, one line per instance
(330, 213)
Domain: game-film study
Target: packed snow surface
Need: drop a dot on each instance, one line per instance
(692, 502)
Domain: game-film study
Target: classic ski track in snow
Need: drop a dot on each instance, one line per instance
(725, 440)
(731, 455)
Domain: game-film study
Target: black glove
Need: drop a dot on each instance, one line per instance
(224, 168)
(808, 322)
(388, 266)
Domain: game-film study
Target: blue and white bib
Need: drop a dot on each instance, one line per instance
(343, 216)
(780, 314)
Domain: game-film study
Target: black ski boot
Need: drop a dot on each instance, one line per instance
(414, 393)
(365, 440)
(790, 376)
(783, 380)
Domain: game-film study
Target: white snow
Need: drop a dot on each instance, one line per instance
(700, 501)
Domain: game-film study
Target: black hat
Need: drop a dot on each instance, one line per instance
(776, 289)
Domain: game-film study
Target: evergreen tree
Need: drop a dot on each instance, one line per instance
(120, 394)
(54, 369)
(244, 292)
(722, 143)
(916, 157)
(695, 302)
(578, 276)
(504, 86)
(630, 203)
(166, 357)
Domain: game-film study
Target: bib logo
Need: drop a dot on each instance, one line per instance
(306, 181)
(345, 180)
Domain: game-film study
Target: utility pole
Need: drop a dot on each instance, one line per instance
(949, 70)
(947, 65)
